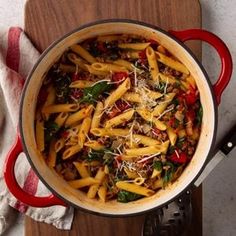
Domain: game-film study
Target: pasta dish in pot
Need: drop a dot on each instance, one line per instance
(118, 117)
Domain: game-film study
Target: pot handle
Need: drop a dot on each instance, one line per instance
(14, 187)
(222, 50)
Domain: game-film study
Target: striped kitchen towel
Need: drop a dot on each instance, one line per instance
(17, 56)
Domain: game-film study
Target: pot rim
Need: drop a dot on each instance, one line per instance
(135, 22)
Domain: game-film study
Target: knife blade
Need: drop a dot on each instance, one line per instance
(227, 145)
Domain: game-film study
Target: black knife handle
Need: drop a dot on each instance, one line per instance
(229, 142)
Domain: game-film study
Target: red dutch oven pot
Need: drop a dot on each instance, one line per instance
(62, 193)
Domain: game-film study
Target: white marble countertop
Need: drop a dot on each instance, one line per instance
(219, 190)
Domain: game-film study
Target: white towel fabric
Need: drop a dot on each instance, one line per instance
(17, 56)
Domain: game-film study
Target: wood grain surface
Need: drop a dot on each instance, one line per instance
(47, 20)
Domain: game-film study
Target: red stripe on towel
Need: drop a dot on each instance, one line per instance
(13, 50)
(13, 62)
(30, 186)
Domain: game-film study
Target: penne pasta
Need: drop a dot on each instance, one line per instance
(148, 116)
(61, 118)
(117, 120)
(109, 132)
(71, 151)
(79, 115)
(172, 63)
(60, 143)
(94, 188)
(132, 97)
(161, 49)
(133, 54)
(97, 115)
(167, 79)
(145, 140)
(172, 135)
(50, 100)
(152, 63)
(95, 145)
(96, 72)
(134, 46)
(102, 191)
(82, 169)
(150, 150)
(106, 67)
(83, 53)
(80, 183)
(133, 188)
(117, 94)
(83, 132)
(77, 61)
(191, 81)
(158, 184)
(160, 108)
(81, 84)
(152, 94)
(124, 63)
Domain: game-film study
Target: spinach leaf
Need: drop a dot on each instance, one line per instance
(91, 94)
(97, 155)
(171, 149)
(62, 83)
(168, 173)
(157, 165)
(180, 142)
(199, 115)
(175, 101)
(51, 129)
(161, 87)
(125, 196)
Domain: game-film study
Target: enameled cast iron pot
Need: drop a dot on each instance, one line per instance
(63, 194)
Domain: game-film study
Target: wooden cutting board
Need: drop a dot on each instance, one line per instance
(46, 20)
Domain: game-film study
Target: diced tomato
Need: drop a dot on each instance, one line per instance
(156, 131)
(142, 54)
(178, 157)
(75, 77)
(171, 122)
(190, 115)
(101, 47)
(122, 105)
(64, 134)
(153, 43)
(191, 96)
(118, 77)
(114, 112)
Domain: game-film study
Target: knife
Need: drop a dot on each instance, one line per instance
(227, 145)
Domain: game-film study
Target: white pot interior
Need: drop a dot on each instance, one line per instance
(79, 198)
